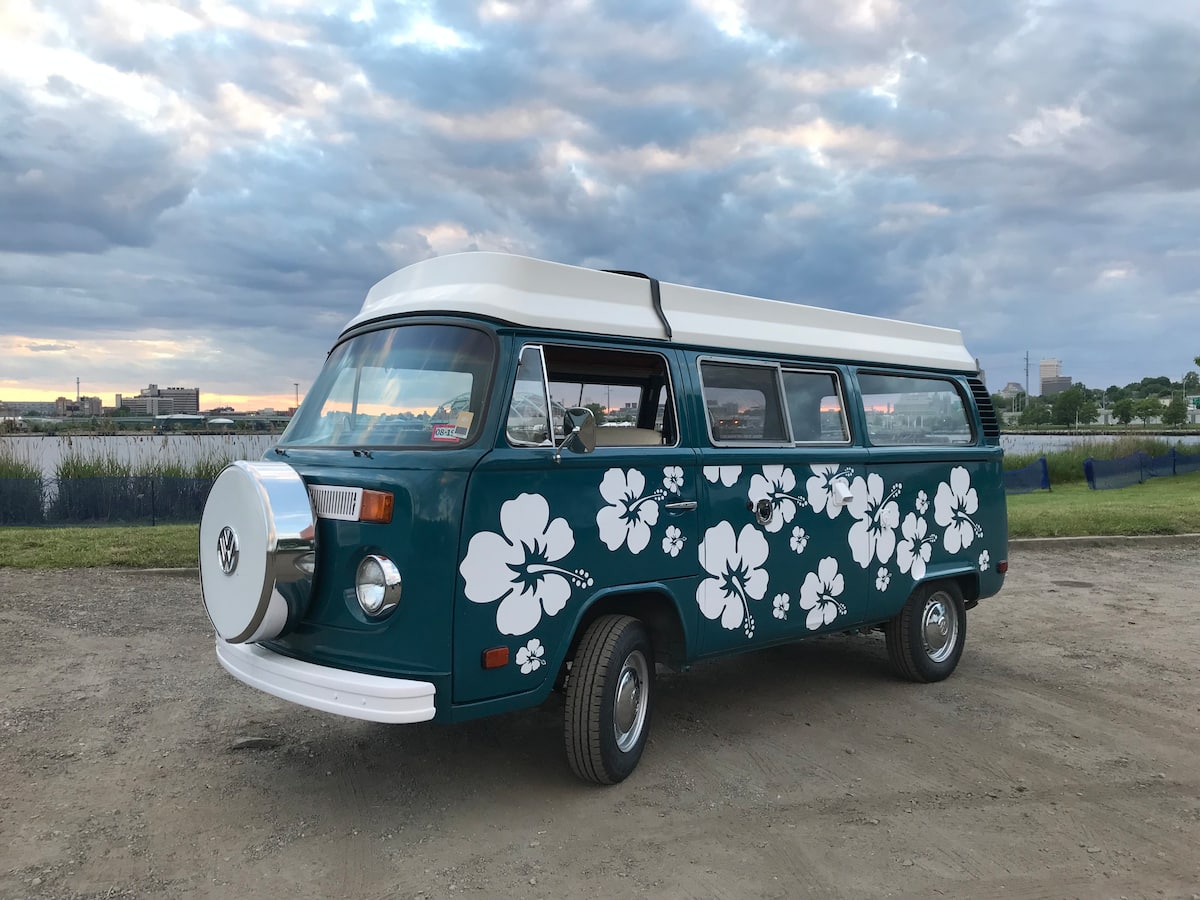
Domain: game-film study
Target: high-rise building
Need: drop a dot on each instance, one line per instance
(1052, 380)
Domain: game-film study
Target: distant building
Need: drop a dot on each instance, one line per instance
(20, 407)
(84, 406)
(1051, 378)
(156, 401)
(1012, 389)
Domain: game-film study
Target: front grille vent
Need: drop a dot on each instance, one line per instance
(987, 412)
(331, 502)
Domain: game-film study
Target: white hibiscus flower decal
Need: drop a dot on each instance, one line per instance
(819, 594)
(915, 547)
(629, 515)
(820, 487)
(799, 539)
(673, 478)
(727, 475)
(673, 542)
(531, 657)
(782, 604)
(516, 567)
(953, 506)
(775, 485)
(985, 560)
(922, 502)
(878, 514)
(882, 579)
(735, 574)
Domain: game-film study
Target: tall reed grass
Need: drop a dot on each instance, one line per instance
(22, 490)
(1066, 466)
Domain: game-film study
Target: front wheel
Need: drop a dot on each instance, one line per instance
(609, 695)
(925, 639)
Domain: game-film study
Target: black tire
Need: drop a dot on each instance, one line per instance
(609, 696)
(925, 639)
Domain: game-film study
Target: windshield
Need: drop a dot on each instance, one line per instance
(411, 386)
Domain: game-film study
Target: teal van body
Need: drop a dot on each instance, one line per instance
(446, 531)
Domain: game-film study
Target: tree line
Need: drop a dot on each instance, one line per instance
(1081, 405)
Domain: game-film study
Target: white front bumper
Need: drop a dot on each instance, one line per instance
(371, 697)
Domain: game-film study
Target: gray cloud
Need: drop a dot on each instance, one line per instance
(1023, 172)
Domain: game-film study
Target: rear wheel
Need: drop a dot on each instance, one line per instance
(925, 640)
(609, 697)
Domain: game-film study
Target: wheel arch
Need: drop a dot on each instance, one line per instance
(657, 609)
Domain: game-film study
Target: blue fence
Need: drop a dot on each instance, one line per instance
(1033, 477)
(132, 500)
(1106, 474)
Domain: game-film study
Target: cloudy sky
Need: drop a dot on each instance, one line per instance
(200, 193)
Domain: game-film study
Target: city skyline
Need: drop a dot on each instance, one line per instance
(202, 195)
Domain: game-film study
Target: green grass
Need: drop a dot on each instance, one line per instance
(1160, 506)
(162, 546)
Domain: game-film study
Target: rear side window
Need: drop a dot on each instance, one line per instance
(814, 404)
(744, 403)
(908, 410)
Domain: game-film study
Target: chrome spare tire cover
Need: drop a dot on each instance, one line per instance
(257, 531)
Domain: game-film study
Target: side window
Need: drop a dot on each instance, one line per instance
(743, 403)
(814, 403)
(528, 413)
(628, 392)
(902, 409)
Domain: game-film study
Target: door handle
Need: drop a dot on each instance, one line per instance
(682, 504)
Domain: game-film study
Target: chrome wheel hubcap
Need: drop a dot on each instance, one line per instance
(939, 628)
(630, 703)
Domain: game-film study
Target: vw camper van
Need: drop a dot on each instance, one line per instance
(514, 477)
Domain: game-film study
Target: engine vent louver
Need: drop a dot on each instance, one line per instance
(987, 412)
(343, 503)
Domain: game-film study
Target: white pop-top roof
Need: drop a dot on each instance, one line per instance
(550, 295)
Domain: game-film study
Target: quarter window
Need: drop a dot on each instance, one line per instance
(902, 409)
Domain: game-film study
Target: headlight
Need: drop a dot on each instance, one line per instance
(377, 585)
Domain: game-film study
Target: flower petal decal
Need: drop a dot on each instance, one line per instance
(820, 487)
(531, 657)
(819, 594)
(799, 539)
(735, 574)
(782, 604)
(915, 547)
(776, 484)
(629, 515)
(727, 475)
(673, 478)
(515, 567)
(882, 579)
(878, 515)
(953, 506)
(673, 542)
(985, 560)
(922, 502)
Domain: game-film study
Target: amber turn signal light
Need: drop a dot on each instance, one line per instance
(376, 506)
(495, 658)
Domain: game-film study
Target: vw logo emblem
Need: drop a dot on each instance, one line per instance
(227, 550)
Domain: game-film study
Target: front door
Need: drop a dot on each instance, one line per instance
(547, 528)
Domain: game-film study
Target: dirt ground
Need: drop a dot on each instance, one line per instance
(1061, 760)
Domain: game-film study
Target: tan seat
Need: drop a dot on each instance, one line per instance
(627, 437)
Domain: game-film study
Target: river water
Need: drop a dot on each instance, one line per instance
(46, 451)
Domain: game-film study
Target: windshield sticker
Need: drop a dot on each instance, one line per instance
(462, 425)
(443, 431)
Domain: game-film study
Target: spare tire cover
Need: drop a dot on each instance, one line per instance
(257, 529)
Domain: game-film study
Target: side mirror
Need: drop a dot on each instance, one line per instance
(579, 426)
